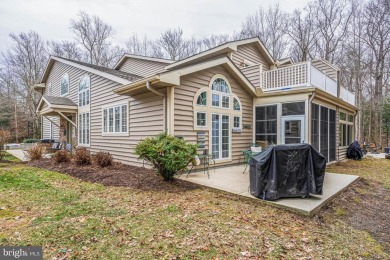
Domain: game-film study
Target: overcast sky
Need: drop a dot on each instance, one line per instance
(51, 18)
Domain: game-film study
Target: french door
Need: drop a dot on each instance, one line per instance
(293, 129)
(220, 136)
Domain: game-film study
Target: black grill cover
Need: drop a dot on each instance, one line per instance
(293, 170)
(354, 151)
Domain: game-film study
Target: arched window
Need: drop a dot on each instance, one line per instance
(202, 99)
(220, 96)
(84, 90)
(236, 105)
(220, 85)
(65, 84)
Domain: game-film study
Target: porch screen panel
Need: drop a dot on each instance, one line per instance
(324, 124)
(315, 121)
(332, 135)
(266, 124)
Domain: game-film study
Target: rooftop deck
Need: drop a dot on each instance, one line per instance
(318, 73)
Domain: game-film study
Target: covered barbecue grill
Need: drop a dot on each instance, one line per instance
(293, 170)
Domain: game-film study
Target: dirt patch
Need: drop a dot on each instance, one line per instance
(117, 175)
(365, 206)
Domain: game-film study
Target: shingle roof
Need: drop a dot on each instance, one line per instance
(59, 101)
(121, 74)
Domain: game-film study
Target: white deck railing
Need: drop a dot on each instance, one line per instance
(347, 95)
(303, 74)
(291, 76)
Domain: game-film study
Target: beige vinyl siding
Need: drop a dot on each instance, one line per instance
(141, 67)
(145, 119)
(146, 112)
(253, 74)
(325, 68)
(249, 52)
(184, 115)
(46, 128)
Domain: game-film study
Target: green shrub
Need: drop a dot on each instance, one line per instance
(61, 156)
(31, 141)
(103, 159)
(82, 156)
(168, 154)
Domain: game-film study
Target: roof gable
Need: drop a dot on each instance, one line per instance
(140, 57)
(173, 77)
(222, 49)
(114, 75)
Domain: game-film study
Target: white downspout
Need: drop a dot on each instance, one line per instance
(149, 87)
(165, 104)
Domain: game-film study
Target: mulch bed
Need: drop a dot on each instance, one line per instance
(117, 175)
(366, 207)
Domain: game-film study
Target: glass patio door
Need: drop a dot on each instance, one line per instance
(293, 130)
(220, 139)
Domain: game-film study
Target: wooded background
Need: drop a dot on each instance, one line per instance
(354, 35)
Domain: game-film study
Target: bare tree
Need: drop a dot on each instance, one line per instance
(216, 40)
(139, 46)
(303, 34)
(377, 39)
(331, 19)
(269, 25)
(65, 49)
(93, 35)
(173, 43)
(26, 61)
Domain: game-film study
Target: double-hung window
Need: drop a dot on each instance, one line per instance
(115, 119)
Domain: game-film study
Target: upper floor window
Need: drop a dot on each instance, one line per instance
(236, 104)
(202, 99)
(65, 84)
(84, 90)
(220, 85)
(220, 96)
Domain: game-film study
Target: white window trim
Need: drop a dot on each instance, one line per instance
(196, 119)
(220, 95)
(78, 133)
(227, 159)
(198, 95)
(113, 105)
(239, 103)
(83, 91)
(240, 122)
(62, 95)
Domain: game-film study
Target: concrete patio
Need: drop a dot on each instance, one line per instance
(18, 153)
(231, 179)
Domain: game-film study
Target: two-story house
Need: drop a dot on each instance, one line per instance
(224, 99)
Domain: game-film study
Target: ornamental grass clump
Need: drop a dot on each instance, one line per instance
(82, 156)
(61, 156)
(103, 159)
(35, 152)
(168, 154)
